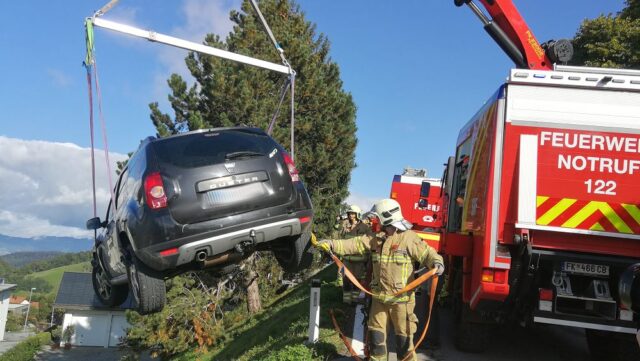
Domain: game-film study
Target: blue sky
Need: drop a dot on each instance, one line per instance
(417, 71)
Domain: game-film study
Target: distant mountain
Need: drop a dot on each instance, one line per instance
(10, 244)
(19, 259)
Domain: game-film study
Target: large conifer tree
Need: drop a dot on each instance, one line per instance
(226, 93)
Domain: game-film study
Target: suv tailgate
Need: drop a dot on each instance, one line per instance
(219, 173)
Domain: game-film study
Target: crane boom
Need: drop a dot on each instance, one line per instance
(507, 27)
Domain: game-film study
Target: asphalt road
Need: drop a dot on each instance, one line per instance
(540, 342)
(514, 343)
(88, 354)
(11, 339)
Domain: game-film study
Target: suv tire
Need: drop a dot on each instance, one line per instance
(110, 295)
(148, 290)
(293, 253)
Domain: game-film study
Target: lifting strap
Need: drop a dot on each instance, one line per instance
(283, 92)
(412, 285)
(92, 68)
(409, 287)
(292, 78)
(342, 336)
(103, 10)
(415, 283)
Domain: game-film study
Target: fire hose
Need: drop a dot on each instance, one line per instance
(409, 287)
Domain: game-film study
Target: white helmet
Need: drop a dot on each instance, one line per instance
(355, 209)
(389, 213)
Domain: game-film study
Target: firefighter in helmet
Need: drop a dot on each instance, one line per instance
(393, 255)
(352, 227)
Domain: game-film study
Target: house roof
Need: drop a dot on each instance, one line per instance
(76, 292)
(16, 299)
(6, 286)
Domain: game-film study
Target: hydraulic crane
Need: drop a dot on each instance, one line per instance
(507, 27)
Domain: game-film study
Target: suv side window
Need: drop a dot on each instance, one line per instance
(121, 193)
(109, 215)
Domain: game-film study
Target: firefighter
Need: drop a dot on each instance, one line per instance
(393, 255)
(352, 227)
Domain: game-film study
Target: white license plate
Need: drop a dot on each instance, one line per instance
(585, 268)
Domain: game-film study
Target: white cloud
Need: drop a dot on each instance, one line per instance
(29, 226)
(124, 14)
(46, 187)
(59, 78)
(202, 17)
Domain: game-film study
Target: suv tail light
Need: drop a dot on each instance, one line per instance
(293, 172)
(154, 191)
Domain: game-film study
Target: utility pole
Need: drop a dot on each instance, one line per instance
(28, 309)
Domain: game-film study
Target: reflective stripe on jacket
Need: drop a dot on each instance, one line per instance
(392, 261)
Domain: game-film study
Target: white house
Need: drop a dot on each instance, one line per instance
(95, 324)
(5, 294)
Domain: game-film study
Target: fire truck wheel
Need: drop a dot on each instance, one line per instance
(612, 346)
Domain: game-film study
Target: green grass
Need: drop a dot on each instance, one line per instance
(27, 349)
(54, 275)
(282, 325)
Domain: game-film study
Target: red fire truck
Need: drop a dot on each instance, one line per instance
(421, 202)
(543, 198)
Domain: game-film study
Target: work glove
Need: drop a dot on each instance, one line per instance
(439, 268)
(324, 246)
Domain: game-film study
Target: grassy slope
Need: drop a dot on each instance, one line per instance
(283, 323)
(54, 275)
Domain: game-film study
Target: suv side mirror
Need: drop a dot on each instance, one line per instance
(422, 203)
(94, 223)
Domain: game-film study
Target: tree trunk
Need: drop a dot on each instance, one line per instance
(251, 285)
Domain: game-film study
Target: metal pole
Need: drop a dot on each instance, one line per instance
(188, 45)
(293, 119)
(314, 311)
(28, 309)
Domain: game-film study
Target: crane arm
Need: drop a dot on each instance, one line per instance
(507, 27)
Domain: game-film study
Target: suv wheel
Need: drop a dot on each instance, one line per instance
(148, 289)
(292, 253)
(108, 294)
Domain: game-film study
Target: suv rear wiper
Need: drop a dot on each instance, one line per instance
(242, 154)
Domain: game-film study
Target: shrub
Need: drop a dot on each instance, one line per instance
(26, 350)
(68, 333)
(14, 322)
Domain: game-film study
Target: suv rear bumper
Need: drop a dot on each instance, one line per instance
(220, 241)
(224, 242)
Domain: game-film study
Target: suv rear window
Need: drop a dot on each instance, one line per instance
(202, 149)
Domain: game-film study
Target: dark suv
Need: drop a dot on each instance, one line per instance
(202, 199)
